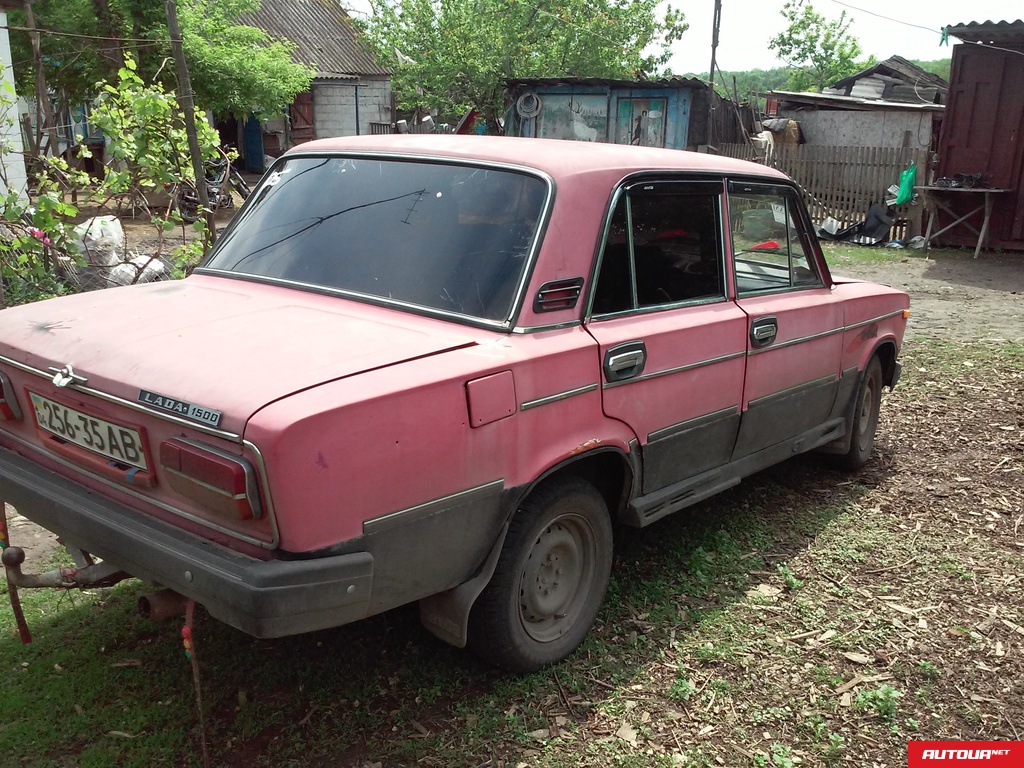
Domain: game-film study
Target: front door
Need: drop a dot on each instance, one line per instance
(794, 323)
(301, 118)
(673, 348)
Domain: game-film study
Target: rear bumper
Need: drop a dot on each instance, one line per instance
(265, 598)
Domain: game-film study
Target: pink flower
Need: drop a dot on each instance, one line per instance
(40, 235)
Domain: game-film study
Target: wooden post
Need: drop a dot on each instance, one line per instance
(188, 106)
(716, 23)
(44, 115)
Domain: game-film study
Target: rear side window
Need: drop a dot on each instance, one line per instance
(770, 248)
(663, 248)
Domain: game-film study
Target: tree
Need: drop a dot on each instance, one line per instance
(821, 51)
(236, 68)
(452, 55)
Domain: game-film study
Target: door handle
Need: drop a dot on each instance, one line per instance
(624, 361)
(763, 331)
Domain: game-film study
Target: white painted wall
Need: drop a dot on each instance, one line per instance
(876, 128)
(10, 132)
(334, 106)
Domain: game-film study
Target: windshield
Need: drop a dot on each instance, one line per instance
(447, 237)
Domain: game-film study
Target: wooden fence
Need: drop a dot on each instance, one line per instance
(842, 182)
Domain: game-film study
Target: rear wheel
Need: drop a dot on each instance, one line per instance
(239, 184)
(550, 579)
(187, 201)
(865, 418)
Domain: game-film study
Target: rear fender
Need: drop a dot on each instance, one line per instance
(446, 614)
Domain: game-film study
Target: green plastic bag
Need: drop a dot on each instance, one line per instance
(907, 179)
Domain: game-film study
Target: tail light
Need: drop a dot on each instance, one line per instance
(9, 408)
(219, 481)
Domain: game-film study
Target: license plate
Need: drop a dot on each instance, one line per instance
(122, 444)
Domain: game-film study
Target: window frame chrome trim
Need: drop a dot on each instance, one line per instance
(515, 306)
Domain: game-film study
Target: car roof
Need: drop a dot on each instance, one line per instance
(557, 157)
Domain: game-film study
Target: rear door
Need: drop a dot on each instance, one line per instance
(672, 346)
(794, 322)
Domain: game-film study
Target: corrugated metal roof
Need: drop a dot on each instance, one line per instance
(897, 67)
(995, 32)
(851, 102)
(661, 83)
(322, 33)
(895, 79)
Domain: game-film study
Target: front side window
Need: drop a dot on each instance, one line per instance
(663, 247)
(442, 236)
(769, 252)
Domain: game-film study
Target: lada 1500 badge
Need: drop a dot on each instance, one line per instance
(180, 407)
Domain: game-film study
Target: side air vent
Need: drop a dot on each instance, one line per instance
(558, 294)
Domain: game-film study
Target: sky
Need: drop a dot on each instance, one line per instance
(747, 25)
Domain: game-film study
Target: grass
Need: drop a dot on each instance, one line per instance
(727, 637)
(840, 254)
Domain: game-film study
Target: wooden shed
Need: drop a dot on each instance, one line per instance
(672, 112)
(982, 139)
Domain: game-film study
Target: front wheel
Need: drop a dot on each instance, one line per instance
(865, 418)
(550, 579)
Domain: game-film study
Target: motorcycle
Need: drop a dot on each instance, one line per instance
(221, 180)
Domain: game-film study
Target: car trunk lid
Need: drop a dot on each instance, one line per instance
(213, 343)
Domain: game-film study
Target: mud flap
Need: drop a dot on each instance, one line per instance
(446, 614)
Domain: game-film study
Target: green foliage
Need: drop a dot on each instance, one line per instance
(791, 581)
(940, 67)
(820, 50)
(33, 236)
(681, 689)
(147, 139)
(234, 67)
(149, 160)
(881, 701)
(454, 55)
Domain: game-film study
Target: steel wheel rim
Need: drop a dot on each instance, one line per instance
(867, 408)
(557, 578)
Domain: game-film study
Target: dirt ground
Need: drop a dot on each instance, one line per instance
(952, 296)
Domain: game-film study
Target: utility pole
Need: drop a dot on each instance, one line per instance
(715, 24)
(188, 106)
(44, 115)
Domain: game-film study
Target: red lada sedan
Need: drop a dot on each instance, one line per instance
(436, 369)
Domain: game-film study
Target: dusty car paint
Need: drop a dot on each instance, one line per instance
(386, 447)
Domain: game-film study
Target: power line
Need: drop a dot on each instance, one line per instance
(146, 40)
(926, 29)
(887, 18)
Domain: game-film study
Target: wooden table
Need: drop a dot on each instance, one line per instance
(938, 198)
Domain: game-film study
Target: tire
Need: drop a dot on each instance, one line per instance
(240, 186)
(865, 419)
(550, 579)
(188, 204)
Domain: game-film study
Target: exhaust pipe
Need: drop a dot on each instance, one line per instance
(162, 605)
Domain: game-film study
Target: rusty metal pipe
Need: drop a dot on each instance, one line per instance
(162, 605)
(12, 588)
(96, 575)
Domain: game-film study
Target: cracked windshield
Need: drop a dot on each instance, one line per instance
(446, 237)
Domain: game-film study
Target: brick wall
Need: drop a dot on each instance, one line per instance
(334, 106)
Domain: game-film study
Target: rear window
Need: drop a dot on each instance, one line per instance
(446, 237)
